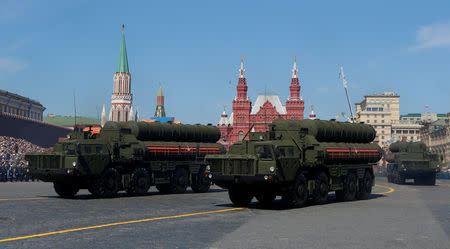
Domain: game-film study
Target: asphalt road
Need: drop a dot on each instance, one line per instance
(396, 216)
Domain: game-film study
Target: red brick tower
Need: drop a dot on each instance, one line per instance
(121, 99)
(241, 107)
(294, 104)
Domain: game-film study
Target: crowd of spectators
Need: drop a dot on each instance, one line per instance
(12, 163)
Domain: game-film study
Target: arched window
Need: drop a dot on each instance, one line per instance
(126, 115)
(118, 116)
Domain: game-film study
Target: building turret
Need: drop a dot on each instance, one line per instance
(294, 104)
(160, 112)
(312, 115)
(242, 84)
(241, 107)
(103, 120)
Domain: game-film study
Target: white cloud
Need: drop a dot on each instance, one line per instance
(11, 65)
(432, 36)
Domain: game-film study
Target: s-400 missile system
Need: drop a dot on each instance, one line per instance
(411, 160)
(299, 161)
(129, 156)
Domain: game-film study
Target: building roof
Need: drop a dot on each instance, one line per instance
(273, 99)
(442, 115)
(122, 64)
(411, 115)
(223, 119)
(385, 94)
(21, 98)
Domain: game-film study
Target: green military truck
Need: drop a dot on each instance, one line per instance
(129, 156)
(299, 161)
(411, 160)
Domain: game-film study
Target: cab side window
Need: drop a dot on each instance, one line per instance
(98, 149)
(263, 152)
(87, 149)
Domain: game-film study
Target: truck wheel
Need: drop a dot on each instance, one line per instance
(400, 178)
(431, 180)
(266, 198)
(418, 180)
(200, 182)
(140, 182)
(321, 188)
(65, 190)
(365, 187)
(179, 181)
(240, 197)
(298, 194)
(349, 191)
(107, 185)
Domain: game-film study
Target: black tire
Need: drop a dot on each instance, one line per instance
(140, 182)
(349, 191)
(418, 180)
(107, 185)
(65, 190)
(365, 187)
(431, 180)
(266, 198)
(200, 182)
(240, 196)
(297, 195)
(178, 185)
(400, 178)
(180, 181)
(321, 188)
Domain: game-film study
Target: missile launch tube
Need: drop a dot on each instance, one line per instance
(328, 131)
(167, 132)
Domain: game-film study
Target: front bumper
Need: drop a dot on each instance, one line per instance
(225, 181)
(420, 172)
(55, 175)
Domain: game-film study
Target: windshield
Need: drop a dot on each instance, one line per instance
(69, 149)
(263, 152)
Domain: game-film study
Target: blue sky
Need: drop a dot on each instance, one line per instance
(51, 49)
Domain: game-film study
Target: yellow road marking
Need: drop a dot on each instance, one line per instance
(118, 223)
(24, 198)
(387, 192)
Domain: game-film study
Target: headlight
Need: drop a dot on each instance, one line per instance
(208, 167)
(28, 163)
(74, 164)
(272, 169)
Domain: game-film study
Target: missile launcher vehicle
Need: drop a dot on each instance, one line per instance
(411, 160)
(129, 156)
(299, 160)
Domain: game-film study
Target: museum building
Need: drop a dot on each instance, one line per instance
(245, 117)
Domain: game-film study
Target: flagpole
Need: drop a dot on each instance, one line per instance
(344, 82)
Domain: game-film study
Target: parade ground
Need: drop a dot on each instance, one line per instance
(396, 216)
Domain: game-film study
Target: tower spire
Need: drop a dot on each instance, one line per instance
(242, 70)
(242, 84)
(294, 69)
(160, 112)
(122, 64)
(312, 115)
